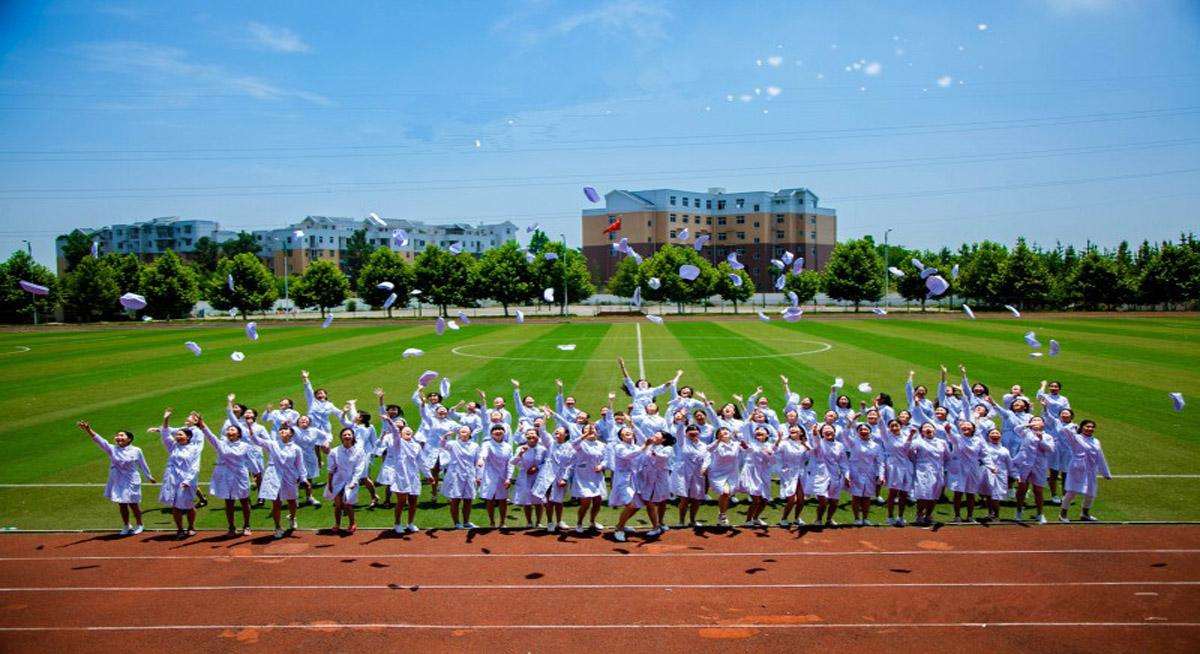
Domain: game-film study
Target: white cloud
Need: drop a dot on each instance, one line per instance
(642, 19)
(167, 64)
(275, 39)
(944, 81)
(775, 61)
(774, 91)
(873, 68)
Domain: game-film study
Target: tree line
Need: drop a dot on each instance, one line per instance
(233, 278)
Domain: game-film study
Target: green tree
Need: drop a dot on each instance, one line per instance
(445, 279)
(806, 285)
(17, 305)
(538, 242)
(385, 265)
(358, 250)
(1094, 282)
(76, 248)
(323, 285)
(503, 275)
(206, 254)
(665, 265)
(90, 291)
(1170, 276)
(127, 271)
(626, 278)
(243, 243)
(253, 285)
(852, 273)
(1024, 281)
(730, 292)
(170, 287)
(570, 268)
(911, 287)
(980, 276)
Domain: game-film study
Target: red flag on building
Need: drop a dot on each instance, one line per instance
(615, 226)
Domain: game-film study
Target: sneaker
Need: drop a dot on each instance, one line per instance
(293, 523)
(579, 529)
(749, 523)
(246, 531)
(400, 529)
(137, 530)
(760, 522)
(597, 526)
(800, 522)
(126, 531)
(352, 529)
(830, 523)
(562, 524)
(900, 522)
(412, 528)
(891, 521)
(879, 501)
(470, 525)
(1062, 517)
(867, 523)
(458, 525)
(1041, 519)
(723, 520)
(1087, 517)
(279, 533)
(1056, 500)
(664, 528)
(696, 524)
(1019, 517)
(316, 504)
(191, 532)
(733, 500)
(784, 523)
(858, 522)
(180, 535)
(619, 536)
(551, 527)
(654, 533)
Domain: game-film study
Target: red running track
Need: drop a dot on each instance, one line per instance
(1056, 589)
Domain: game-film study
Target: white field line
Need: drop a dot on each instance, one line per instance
(641, 356)
(641, 374)
(506, 587)
(349, 626)
(598, 555)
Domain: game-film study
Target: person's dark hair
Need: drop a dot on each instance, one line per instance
(240, 408)
(1055, 381)
(1070, 411)
(981, 386)
(893, 421)
(686, 388)
(737, 413)
(884, 399)
(365, 416)
(668, 439)
(1023, 403)
(290, 402)
(496, 428)
(189, 431)
(692, 428)
(1084, 423)
(432, 394)
(347, 430)
(838, 401)
(399, 409)
(288, 429)
(127, 433)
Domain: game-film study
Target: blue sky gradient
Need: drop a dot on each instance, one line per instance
(1067, 120)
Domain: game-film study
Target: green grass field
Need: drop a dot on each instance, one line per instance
(1116, 370)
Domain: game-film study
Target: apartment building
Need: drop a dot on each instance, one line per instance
(758, 225)
(149, 238)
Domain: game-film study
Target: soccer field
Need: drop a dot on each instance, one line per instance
(1115, 370)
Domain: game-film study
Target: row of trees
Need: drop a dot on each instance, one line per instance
(990, 275)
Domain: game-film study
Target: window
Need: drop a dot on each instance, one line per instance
(612, 219)
(672, 217)
(741, 235)
(672, 233)
(756, 224)
(740, 203)
(779, 234)
(685, 218)
(756, 207)
(708, 204)
(672, 200)
(721, 220)
(756, 240)
(721, 236)
(812, 234)
(708, 221)
(778, 219)
(812, 220)
(741, 220)
(720, 205)
(685, 202)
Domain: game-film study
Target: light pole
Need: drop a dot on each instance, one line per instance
(29, 250)
(286, 301)
(885, 261)
(566, 299)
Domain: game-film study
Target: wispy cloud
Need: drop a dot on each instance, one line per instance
(275, 39)
(157, 63)
(642, 19)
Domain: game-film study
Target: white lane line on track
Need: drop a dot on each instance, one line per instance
(641, 356)
(324, 626)
(507, 587)
(601, 555)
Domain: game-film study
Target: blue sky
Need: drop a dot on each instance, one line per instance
(947, 121)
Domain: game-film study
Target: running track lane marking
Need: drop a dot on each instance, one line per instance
(586, 627)
(478, 587)
(641, 357)
(642, 373)
(574, 555)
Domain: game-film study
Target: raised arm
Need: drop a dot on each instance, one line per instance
(908, 390)
(942, 388)
(164, 431)
(96, 438)
(309, 395)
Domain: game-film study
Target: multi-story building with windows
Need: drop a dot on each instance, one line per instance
(150, 238)
(758, 225)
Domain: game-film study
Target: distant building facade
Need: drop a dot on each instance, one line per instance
(291, 248)
(758, 225)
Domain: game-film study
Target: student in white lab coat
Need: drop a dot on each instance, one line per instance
(527, 463)
(462, 477)
(183, 448)
(495, 474)
(284, 473)
(793, 455)
(346, 464)
(126, 464)
(401, 472)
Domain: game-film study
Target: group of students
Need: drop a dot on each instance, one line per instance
(669, 444)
